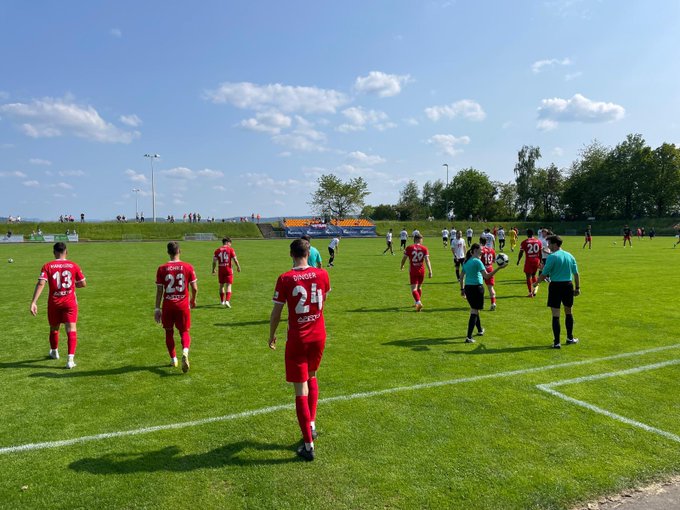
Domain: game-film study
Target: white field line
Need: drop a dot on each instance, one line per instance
(548, 388)
(354, 396)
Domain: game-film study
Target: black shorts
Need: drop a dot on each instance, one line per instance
(458, 262)
(403, 243)
(560, 293)
(475, 296)
(389, 244)
(331, 252)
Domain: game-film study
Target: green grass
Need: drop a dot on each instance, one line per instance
(489, 443)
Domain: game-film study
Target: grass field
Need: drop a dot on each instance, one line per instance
(409, 417)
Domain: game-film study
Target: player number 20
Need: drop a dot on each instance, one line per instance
(317, 297)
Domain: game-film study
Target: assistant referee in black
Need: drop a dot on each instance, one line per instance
(560, 268)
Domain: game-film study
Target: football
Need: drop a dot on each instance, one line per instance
(10, 261)
(502, 259)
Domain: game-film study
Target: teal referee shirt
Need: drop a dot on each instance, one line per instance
(560, 266)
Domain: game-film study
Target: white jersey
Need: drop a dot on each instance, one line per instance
(490, 239)
(545, 251)
(403, 235)
(416, 232)
(334, 243)
(458, 248)
(445, 234)
(388, 237)
(469, 232)
(452, 233)
(501, 234)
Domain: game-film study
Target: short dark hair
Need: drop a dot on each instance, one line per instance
(299, 248)
(482, 241)
(530, 232)
(59, 247)
(226, 239)
(418, 236)
(306, 238)
(173, 248)
(555, 239)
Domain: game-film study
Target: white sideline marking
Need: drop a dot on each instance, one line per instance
(272, 409)
(548, 388)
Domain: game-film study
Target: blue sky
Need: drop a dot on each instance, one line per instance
(247, 103)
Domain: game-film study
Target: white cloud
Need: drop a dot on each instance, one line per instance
(572, 76)
(349, 128)
(219, 187)
(71, 173)
(577, 109)
(62, 185)
(16, 173)
(49, 117)
(135, 177)
(411, 121)
(116, 32)
(285, 98)
(130, 120)
(3, 95)
(538, 66)
(558, 152)
(365, 159)
(31, 184)
(447, 144)
(268, 122)
(359, 118)
(381, 84)
(465, 108)
(210, 174)
(38, 161)
(265, 181)
(303, 138)
(179, 172)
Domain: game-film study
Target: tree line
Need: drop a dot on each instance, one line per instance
(630, 180)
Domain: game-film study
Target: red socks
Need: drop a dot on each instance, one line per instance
(222, 297)
(72, 342)
(313, 397)
(170, 343)
(493, 300)
(529, 280)
(228, 296)
(54, 339)
(415, 295)
(302, 410)
(186, 340)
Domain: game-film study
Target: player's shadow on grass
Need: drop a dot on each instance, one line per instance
(160, 370)
(29, 363)
(483, 349)
(424, 344)
(241, 453)
(238, 324)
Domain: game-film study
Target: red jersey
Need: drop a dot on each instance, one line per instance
(488, 258)
(416, 254)
(61, 276)
(304, 291)
(224, 256)
(532, 248)
(175, 278)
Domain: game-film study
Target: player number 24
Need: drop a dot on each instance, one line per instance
(317, 297)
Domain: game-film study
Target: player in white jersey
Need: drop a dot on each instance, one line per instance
(490, 239)
(403, 236)
(468, 234)
(445, 237)
(458, 250)
(332, 250)
(501, 238)
(452, 233)
(388, 240)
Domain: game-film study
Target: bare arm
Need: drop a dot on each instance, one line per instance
(81, 284)
(429, 266)
(519, 257)
(274, 320)
(159, 297)
(238, 266)
(403, 260)
(194, 292)
(214, 264)
(36, 294)
(486, 275)
(577, 284)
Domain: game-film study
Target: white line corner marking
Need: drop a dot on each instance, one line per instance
(548, 388)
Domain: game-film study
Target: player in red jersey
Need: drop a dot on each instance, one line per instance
(223, 257)
(303, 289)
(173, 280)
(62, 276)
(532, 247)
(488, 258)
(418, 257)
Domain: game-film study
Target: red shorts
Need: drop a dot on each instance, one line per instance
(179, 318)
(490, 281)
(626, 238)
(531, 266)
(417, 278)
(225, 276)
(62, 315)
(302, 358)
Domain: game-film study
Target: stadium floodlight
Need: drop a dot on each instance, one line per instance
(136, 192)
(153, 188)
(447, 174)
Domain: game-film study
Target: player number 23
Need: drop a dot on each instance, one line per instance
(317, 297)
(170, 288)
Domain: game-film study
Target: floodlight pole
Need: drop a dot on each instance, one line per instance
(153, 188)
(136, 192)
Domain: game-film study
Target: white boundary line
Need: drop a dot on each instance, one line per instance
(548, 388)
(354, 396)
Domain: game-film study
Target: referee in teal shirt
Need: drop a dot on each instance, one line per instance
(560, 268)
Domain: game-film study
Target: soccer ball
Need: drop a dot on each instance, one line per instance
(10, 261)
(502, 259)
(614, 242)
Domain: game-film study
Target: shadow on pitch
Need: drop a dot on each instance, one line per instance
(238, 324)
(160, 370)
(424, 344)
(483, 349)
(241, 453)
(29, 363)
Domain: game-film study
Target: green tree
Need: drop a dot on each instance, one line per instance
(663, 183)
(587, 189)
(434, 201)
(628, 165)
(409, 206)
(525, 169)
(472, 194)
(384, 212)
(546, 191)
(338, 198)
(506, 202)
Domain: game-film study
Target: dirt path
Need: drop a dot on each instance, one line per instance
(658, 496)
